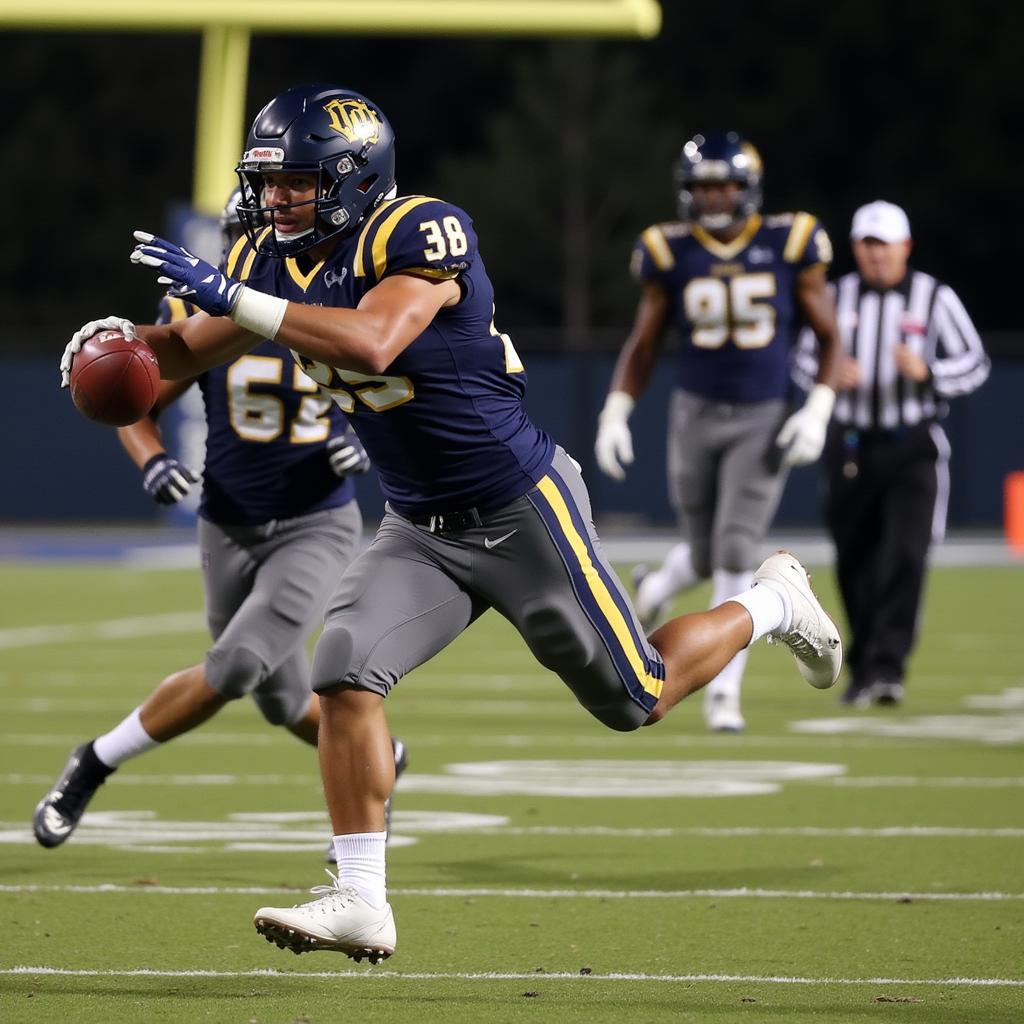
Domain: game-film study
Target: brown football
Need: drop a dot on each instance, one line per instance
(114, 380)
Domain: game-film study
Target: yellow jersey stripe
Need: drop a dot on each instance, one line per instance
(387, 228)
(799, 233)
(251, 257)
(302, 280)
(374, 217)
(658, 247)
(597, 586)
(176, 309)
(234, 252)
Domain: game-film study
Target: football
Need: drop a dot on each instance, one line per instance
(114, 380)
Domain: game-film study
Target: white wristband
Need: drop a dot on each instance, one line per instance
(258, 312)
(617, 407)
(820, 402)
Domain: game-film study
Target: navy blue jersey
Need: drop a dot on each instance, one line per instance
(267, 427)
(734, 303)
(445, 424)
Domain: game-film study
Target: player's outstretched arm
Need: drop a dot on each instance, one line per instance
(164, 478)
(803, 435)
(613, 446)
(367, 339)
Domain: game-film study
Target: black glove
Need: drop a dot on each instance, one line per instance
(347, 455)
(167, 480)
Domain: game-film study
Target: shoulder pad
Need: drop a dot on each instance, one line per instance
(173, 309)
(416, 235)
(240, 257)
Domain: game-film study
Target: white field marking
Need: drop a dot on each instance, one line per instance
(543, 894)
(995, 730)
(143, 831)
(219, 779)
(109, 629)
(588, 979)
(227, 779)
(1011, 699)
(304, 830)
(606, 778)
(917, 781)
(266, 737)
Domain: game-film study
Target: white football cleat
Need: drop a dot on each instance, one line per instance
(812, 636)
(722, 713)
(339, 920)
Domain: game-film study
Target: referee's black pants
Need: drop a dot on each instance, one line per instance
(880, 495)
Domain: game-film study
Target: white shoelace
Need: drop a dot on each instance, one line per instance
(331, 898)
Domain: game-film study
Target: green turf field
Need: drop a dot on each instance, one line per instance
(826, 865)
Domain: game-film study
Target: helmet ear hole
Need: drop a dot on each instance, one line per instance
(368, 183)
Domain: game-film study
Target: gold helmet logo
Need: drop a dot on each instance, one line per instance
(354, 119)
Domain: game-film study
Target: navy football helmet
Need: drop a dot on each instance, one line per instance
(723, 156)
(333, 133)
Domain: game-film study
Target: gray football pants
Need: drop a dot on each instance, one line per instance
(537, 561)
(266, 590)
(725, 477)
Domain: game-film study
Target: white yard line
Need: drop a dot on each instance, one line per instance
(109, 629)
(755, 979)
(568, 894)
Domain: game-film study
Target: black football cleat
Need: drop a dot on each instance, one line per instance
(58, 813)
(401, 762)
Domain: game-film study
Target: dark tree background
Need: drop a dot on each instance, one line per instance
(561, 149)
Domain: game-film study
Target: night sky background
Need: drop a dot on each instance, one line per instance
(560, 150)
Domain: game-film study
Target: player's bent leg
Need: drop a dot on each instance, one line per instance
(182, 701)
(695, 649)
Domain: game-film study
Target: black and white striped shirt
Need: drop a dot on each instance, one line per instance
(921, 313)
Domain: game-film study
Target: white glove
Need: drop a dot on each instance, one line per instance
(803, 434)
(614, 445)
(83, 334)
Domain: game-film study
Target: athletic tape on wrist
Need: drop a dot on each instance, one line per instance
(258, 312)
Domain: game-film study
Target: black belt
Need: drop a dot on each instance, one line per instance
(447, 522)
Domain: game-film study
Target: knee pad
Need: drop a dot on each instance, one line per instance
(282, 707)
(234, 672)
(334, 665)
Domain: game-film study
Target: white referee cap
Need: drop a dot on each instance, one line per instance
(885, 221)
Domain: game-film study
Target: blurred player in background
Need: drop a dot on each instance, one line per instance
(735, 285)
(278, 524)
(388, 303)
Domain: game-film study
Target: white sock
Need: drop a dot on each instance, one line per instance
(675, 575)
(727, 585)
(125, 740)
(361, 864)
(768, 608)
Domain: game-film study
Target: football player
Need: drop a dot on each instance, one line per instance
(278, 524)
(386, 303)
(735, 285)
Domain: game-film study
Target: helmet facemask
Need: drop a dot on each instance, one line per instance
(345, 144)
(719, 159)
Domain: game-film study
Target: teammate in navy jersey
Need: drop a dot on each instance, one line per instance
(278, 524)
(386, 302)
(736, 287)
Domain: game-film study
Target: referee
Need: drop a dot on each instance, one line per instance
(908, 346)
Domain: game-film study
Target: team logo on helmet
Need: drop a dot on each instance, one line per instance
(354, 120)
